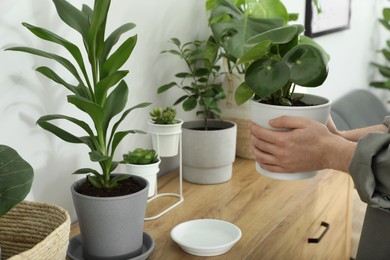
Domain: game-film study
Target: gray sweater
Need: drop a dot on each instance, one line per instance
(370, 171)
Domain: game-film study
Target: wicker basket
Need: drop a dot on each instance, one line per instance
(34, 230)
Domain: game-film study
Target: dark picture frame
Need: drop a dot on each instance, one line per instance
(335, 16)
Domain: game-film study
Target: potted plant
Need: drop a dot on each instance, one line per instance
(144, 163)
(165, 129)
(102, 199)
(276, 61)
(22, 232)
(208, 144)
(232, 23)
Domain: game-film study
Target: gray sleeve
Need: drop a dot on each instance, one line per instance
(370, 169)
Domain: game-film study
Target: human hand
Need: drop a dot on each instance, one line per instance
(308, 146)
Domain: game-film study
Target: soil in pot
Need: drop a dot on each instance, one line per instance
(125, 187)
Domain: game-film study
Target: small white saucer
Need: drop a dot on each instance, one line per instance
(75, 251)
(206, 237)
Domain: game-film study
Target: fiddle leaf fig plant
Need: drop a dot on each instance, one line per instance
(199, 81)
(16, 176)
(98, 87)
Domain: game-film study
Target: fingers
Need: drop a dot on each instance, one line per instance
(289, 122)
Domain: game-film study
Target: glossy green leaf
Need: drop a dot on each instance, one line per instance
(72, 16)
(234, 33)
(113, 38)
(190, 104)
(61, 60)
(119, 57)
(280, 35)
(265, 77)
(52, 37)
(16, 176)
(102, 87)
(165, 87)
(54, 76)
(243, 94)
(255, 53)
(59, 132)
(92, 109)
(115, 103)
(308, 65)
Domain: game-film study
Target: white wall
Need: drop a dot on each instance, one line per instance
(26, 95)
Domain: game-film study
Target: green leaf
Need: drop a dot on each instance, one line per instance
(96, 182)
(118, 137)
(113, 39)
(53, 76)
(119, 57)
(16, 176)
(97, 156)
(265, 77)
(189, 104)
(92, 109)
(52, 37)
(280, 35)
(256, 52)
(165, 87)
(72, 16)
(233, 33)
(64, 62)
(105, 84)
(243, 93)
(115, 103)
(308, 65)
(62, 134)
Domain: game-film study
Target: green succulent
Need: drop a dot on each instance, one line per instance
(140, 156)
(165, 116)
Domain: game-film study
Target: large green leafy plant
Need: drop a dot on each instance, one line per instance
(384, 69)
(16, 176)
(200, 81)
(274, 55)
(98, 88)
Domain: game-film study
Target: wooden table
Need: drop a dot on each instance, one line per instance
(276, 217)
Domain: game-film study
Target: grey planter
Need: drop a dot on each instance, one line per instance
(111, 227)
(208, 156)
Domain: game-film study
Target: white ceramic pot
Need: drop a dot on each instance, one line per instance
(148, 172)
(208, 156)
(165, 138)
(318, 110)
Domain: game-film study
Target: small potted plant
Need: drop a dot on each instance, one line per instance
(209, 144)
(165, 129)
(144, 163)
(20, 218)
(97, 88)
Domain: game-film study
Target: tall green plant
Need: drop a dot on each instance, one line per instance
(384, 69)
(199, 82)
(99, 89)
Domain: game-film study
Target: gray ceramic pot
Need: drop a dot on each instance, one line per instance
(111, 227)
(208, 156)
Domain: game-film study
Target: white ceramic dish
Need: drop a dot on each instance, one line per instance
(206, 237)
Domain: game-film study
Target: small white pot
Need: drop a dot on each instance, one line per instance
(165, 138)
(147, 171)
(262, 113)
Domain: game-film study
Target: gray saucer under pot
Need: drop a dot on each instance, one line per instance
(208, 156)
